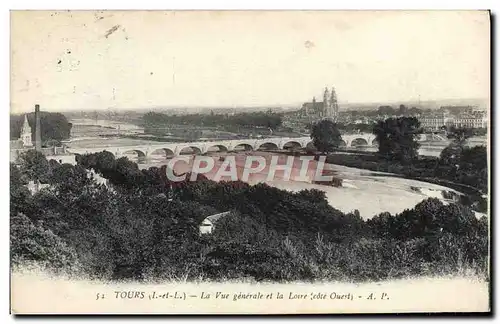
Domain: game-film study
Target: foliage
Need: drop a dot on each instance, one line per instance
(464, 170)
(451, 154)
(386, 110)
(144, 227)
(466, 165)
(354, 128)
(326, 135)
(429, 217)
(32, 242)
(397, 138)
(460, 135)
(19, 194)
(267, 120)
(34, 164)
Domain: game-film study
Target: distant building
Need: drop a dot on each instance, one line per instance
(457, 110)
(442, 119)
(25, 143)
(471, 121)
(91, 174)
(434, 122)
(26, 133)
(35, 187)
(208, 224)
(328, 108)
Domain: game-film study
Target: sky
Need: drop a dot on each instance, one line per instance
(140, 59)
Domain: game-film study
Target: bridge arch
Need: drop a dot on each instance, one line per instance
(243, 147)
(359, 141)
(268, 146)
(229, 145)
(187, 150)
(219, 147)
(291, 145)
(166, 152)
(310, 146)
(374, 142)
(137, 152)
(342, 143)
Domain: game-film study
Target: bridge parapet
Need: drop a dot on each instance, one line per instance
(225, 145)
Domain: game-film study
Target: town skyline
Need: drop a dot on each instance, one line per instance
(102, 60)
(481, 103)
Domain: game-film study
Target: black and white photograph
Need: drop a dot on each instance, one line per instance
(250, 162)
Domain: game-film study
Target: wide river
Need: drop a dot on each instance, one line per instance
(369, 192)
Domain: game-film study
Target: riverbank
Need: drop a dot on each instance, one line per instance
(426, 169)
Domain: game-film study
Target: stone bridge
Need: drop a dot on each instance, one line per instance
(174, 149)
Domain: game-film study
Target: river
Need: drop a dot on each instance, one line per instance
(435, 148)
(371, 193)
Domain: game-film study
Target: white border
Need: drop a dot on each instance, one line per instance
(255, 4)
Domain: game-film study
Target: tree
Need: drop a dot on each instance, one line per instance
(386, 110)
(451, 156)
(475, 157)
(35, 166)
(33, 243)
(473, 167)
(69, 178)
(156, 122)
(460, 135)
(19, 193)
(105, 161)
(326, 135)
(397, 138)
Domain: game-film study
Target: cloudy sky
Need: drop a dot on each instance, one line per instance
(112, 59)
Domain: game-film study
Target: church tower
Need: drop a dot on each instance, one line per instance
(326, 103)
(26, 133)
(334, 112)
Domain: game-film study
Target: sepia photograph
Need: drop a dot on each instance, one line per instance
(250, 162)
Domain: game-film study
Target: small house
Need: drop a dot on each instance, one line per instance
(208, 224)
(35, 187)
(91, 174)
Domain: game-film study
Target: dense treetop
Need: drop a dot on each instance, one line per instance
(255, 119)
(326, 135)
(142, 226)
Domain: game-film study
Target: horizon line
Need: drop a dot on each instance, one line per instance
(263, 106)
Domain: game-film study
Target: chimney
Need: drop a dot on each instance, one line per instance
(38, 134)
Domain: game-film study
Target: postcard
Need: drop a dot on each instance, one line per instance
(250, 162)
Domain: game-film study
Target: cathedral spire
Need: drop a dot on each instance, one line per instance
(333, 104)
(26, 133)
(326, 102)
